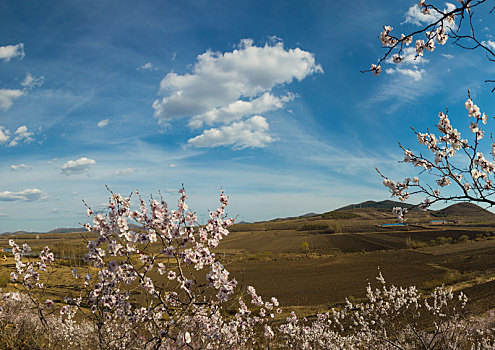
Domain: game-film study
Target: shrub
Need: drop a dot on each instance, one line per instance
(443, 240)
(340, 215)
(314, 226)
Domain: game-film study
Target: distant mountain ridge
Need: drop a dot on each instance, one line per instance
(458, 209)
(385, 204)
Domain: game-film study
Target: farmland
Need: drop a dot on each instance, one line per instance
(341, 257)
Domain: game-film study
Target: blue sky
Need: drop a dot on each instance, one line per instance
(262, 99)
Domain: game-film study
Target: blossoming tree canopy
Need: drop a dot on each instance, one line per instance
(455, 22)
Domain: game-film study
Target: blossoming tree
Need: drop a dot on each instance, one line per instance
(457, 23)
(451, 159)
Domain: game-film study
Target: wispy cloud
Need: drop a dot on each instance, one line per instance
(29, 81)
(125, 172)
(415, 74)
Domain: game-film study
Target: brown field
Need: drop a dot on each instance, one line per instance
(343, 256)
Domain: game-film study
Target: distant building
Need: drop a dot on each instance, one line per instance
(398, 224)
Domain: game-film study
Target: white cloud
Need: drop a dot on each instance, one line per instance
(448, 56)
(147, 66)
(30, 81)
(172, 166)
(103, 123)
(4, 134)
(7, 97)
(18, 167)
(28, 195)
(410, 62)
(244, 134)
(410, 57)
(78, 166)
(125, 172)
(230, 86)
(490, 44)
(413, 73)
(22, 134)
(11, 51)
(221, 79)
(414, 15)
(236, 110)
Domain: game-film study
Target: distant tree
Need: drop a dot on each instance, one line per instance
(305, 247)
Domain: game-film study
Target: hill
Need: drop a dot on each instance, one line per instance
(19, 233)
(386, 204)
(465, 209)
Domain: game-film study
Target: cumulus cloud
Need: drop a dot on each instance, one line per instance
(11, 51)
(238, 109)
(147, 66)
(415, 15)
(244, 134)
(30, 81)
(4, 134)
(221, 79)
(490, 44)
(125, 172)
(231, 86)
(103, 123)
(7, 97)
(28, 195)
(79, 166)
(22, 135)
(18, 167)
